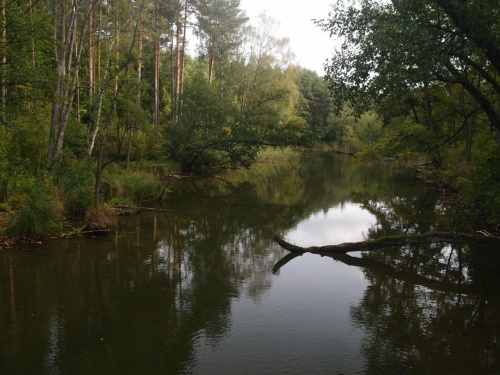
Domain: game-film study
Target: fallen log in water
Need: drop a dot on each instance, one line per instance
(398, 240)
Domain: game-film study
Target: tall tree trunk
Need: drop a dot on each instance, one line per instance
(183, 57)
(429, 118)
(468, 139)
(172, 73)
(3, 94)
(33, 56)
(100, 165)
(102, 91)
(139, 77)
(134, 128)
(67, 71)
(99, 32)
(129, 147)
(177, 67)
(117, 37)
(211, 60)
(77, 87)
(91, 58)
(156, 40)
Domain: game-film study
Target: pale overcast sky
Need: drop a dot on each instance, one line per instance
(308, 42)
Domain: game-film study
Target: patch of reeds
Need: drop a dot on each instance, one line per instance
(100, 218)
(138, 186)
(276, 154)
(75, 179)
(41, 216)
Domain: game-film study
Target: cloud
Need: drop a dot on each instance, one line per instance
(339, 224)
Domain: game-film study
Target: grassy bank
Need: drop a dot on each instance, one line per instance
(38, 203)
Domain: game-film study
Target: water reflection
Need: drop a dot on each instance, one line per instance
(429, 325)
(191, 288)
(347, 222)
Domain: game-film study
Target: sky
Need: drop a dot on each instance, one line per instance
(308, 42)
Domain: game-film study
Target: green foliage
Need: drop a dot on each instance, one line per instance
(277, 154)
(411, 142)
(75, 179)
(211, 131)
(347, 133)
(129, 203)
(26, 138)
(100, 218)
(390, 49)
(9, 177)
(22, 152)
(149, 145)
(154, 168)
(40, 216)
(479, 195)
(316, 105)
(137, 186)
(75, 142)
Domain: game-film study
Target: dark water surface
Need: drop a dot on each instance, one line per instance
(201, 288)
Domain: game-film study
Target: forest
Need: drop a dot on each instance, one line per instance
(101, 100)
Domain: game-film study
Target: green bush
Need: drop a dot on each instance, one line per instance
(137, 186)
(121, 202)
(479, 192)
(100, 218)
(27, 138)
(41, 216)
(75, 180)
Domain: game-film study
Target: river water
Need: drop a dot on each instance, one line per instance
(198, 286)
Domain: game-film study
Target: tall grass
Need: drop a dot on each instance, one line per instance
(41, 216)
(275, 154)
(75, 179)
(100, 218)
(138, 186)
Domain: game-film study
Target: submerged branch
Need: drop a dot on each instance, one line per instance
(398, 240)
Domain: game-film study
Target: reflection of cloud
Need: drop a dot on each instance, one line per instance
(339, 224)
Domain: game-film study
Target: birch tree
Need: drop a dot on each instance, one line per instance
(69, 31)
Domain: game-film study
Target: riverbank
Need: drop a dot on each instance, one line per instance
(63, 202)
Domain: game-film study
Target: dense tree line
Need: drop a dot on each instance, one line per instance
(87, 83)
(429, 70)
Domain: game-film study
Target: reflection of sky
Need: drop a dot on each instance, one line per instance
(345, 223)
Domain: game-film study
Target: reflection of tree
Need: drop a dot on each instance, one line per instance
(414, 323)
(413, 328)
(138, 301)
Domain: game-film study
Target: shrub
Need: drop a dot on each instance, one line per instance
(137, 186)
(76, 181)
(100, 218)
(479, 192)
(41, 216)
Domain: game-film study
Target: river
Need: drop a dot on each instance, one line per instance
(197, 286)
